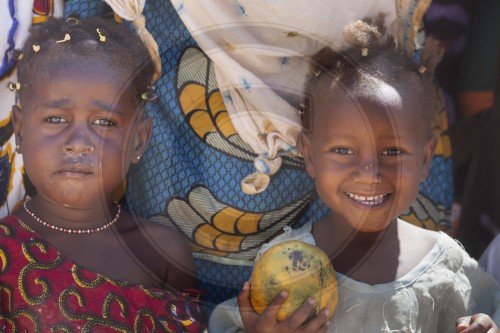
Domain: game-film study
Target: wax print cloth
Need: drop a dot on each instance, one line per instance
(16, 16)
(231, 83)
(42, 291)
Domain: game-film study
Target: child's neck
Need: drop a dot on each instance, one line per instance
(342, 234)
(351, 249)
(70, 216)
(378, 257)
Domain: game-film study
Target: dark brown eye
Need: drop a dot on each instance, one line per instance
(343, 151)
(104, 122)
(55, 120)
(392, 152)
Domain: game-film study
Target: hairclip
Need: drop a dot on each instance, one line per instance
(422, 69)
(149, 95)
(302, 108)
(36, 48)
(364, 51)
(65, 39)
(73, 20)
(14, 86)
(102, 38)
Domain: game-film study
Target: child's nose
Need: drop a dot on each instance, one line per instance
(368, 171)
(78, 142)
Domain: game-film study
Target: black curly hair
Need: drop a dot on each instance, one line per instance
(371, 58)
(96, 38)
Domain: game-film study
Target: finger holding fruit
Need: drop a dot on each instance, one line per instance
(478, 323)
(267, 322)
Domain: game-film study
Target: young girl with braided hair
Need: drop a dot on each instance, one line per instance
(368, 144)
(72, 259)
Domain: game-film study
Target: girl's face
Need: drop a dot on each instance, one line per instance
(367, 159)
(78, 131)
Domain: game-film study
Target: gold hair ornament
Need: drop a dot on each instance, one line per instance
(364, 51)
(102, 38)
(36, 48)
(302, 108)
(149, 95)
(65, 39)
(14, 86)
(73, 20)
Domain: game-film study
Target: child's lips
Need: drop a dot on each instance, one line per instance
(76, 171)
(373, 200)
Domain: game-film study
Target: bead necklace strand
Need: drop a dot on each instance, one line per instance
(74, 231)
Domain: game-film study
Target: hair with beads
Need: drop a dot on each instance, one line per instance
(371, 58)
(96, 38)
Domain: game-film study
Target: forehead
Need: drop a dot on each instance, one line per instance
(82, 67)
(77, 74)
(81, 87)
(374, 105)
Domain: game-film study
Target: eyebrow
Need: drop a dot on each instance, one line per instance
(106, 106)
(54, 104)
(60, 103)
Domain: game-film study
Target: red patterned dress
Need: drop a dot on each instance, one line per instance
(42, 291)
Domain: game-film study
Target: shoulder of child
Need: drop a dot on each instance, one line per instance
(172, 246)
(412, 233)
(420, 238)
(163, 233)
(167, 238)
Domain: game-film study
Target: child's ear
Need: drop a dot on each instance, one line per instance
(142, 136)
(307, 153)
(428, 153)
(17, 119)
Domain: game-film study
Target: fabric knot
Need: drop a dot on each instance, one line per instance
(258, 181)
(267, 166)
(131, 10)
(139, 22)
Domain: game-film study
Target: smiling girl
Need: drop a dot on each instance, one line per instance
(368, 145)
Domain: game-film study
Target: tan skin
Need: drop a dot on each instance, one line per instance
(477, 323)
(79, 131)
(370, 149)
(367, 160)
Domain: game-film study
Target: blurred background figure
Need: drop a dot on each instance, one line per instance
(475, 135)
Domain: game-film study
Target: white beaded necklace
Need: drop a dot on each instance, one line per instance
(74, 231)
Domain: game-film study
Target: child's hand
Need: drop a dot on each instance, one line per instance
(477, 323)
(266, 322)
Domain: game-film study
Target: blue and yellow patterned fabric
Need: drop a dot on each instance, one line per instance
(190, 176)
(16, 17)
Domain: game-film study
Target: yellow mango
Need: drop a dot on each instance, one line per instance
(303, 270)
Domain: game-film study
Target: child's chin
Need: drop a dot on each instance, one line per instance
(372, 222)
